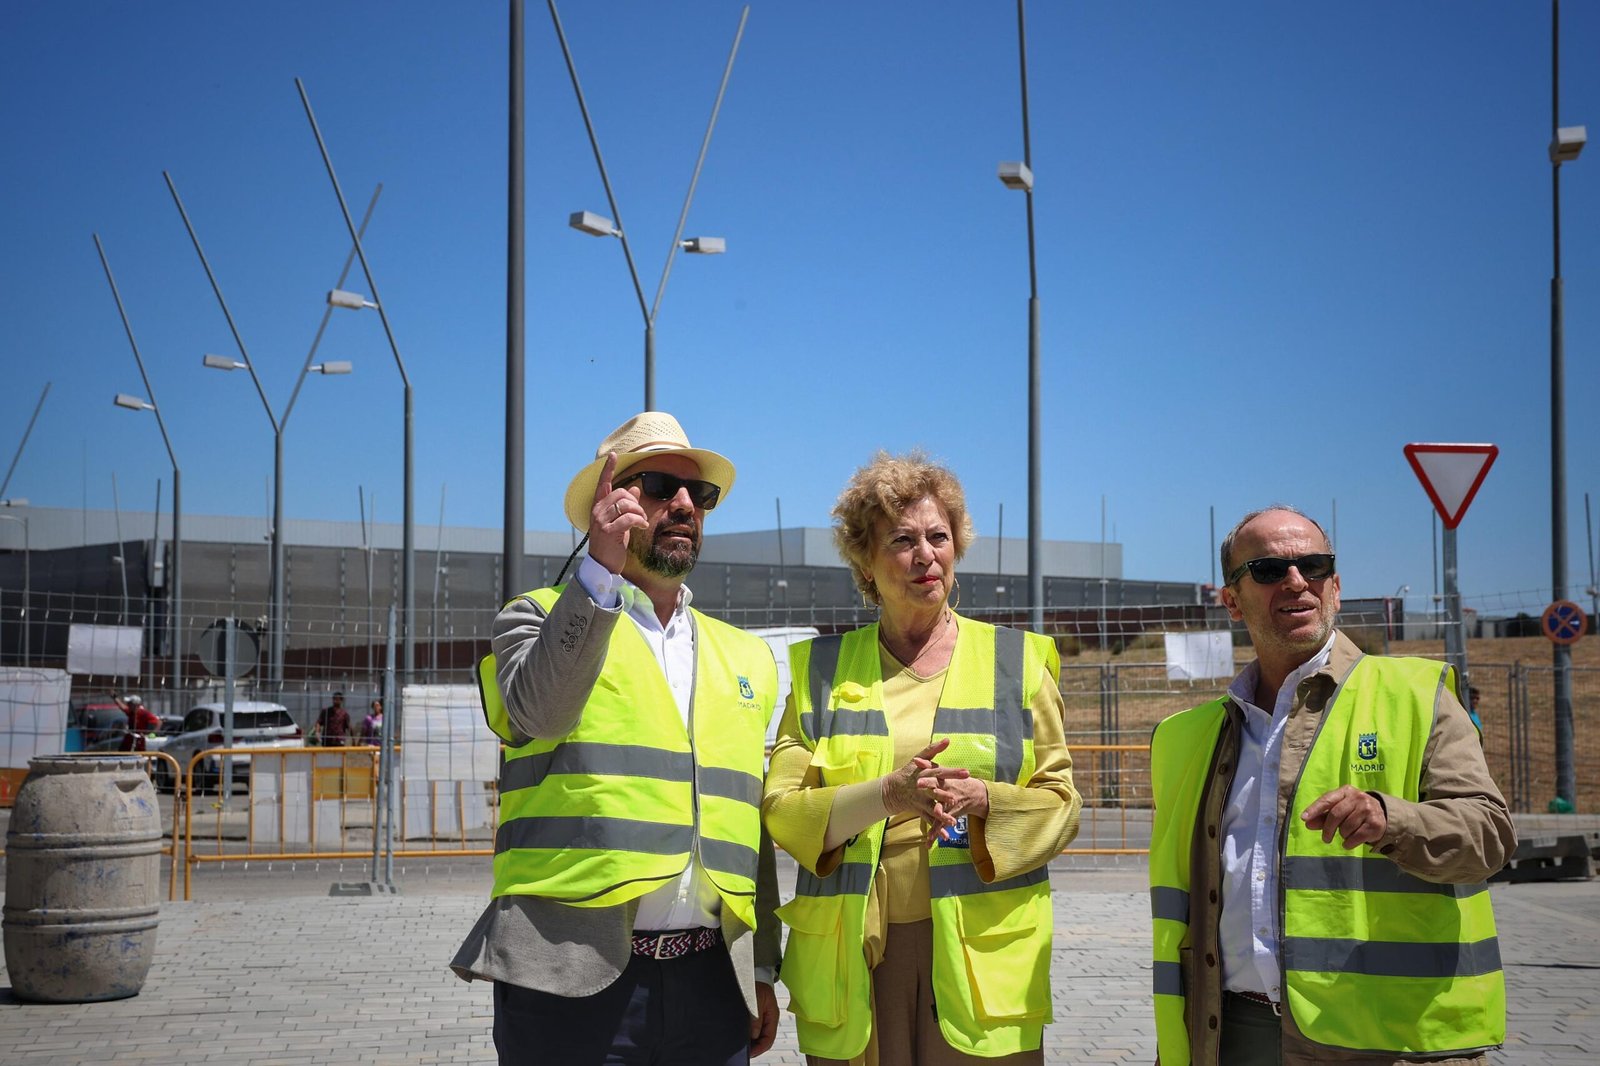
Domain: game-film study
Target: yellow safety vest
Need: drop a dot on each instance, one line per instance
(991, 942)
(615, 808)
(1374, 959)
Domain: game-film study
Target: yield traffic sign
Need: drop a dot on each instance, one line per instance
(1451, 474)
(1563, 622)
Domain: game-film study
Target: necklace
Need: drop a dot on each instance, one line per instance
(935, 641)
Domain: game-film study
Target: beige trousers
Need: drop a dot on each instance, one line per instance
(905, 1031)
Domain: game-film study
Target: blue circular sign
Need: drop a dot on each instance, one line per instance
(1564, 622)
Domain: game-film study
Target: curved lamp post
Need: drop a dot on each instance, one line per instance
(135, 403)
(599, 226)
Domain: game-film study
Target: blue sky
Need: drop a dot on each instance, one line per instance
(1276, 243)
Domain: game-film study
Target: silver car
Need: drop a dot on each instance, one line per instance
(256, 724)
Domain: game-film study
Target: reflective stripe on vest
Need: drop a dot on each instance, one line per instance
(991, 953)
(614, 809)
(1356, 929)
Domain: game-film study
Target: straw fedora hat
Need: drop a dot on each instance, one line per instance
(641, 437)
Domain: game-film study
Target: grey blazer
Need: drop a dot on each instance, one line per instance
(538, 943)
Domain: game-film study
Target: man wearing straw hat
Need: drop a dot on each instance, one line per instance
(631, 919)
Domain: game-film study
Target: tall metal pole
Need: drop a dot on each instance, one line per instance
(1035, 519)
(25, 435)
(408, 537)
(512, 539)
(1588, 542)
(1566, 776)
(177, 478)
(1455, 634)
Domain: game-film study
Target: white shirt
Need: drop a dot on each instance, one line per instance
(691, 901)
(1250, 830)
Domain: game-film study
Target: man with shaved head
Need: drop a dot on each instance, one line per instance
(1322, 838)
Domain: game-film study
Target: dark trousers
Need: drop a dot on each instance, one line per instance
(1252, 1033)
(668, 1012)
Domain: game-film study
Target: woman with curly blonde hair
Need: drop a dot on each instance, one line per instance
(921, 780)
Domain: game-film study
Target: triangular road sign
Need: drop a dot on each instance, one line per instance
(1451, 474)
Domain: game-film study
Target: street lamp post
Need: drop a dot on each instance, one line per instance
(598, 226)
(134, 403)
(1019, 176)
(1565, 144)
(339, 298)
(27, 583)
(277, 627)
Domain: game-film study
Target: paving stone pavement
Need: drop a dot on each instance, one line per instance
(293, 976)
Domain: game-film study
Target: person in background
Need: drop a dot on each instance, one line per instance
(141, 721)
(922, 782)
(1321, 841)
(372, 724)
(333, 725)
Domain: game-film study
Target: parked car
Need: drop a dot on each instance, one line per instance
(98, 722)
(171, 726)
(256, 724)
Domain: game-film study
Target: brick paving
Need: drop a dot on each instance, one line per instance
(291, 975)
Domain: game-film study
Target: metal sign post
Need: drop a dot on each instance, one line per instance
(1451, 474)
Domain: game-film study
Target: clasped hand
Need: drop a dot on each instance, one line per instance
(938, 794)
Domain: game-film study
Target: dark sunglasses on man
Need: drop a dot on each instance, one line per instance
(1271, 570)
(664, 487)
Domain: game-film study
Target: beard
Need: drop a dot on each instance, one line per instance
(670, 562)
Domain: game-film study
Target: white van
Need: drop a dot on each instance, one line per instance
(779, 638)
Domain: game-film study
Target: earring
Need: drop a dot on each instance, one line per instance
(866, 600)
(956, 604)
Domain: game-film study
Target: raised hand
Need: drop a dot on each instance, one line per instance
(615, 514)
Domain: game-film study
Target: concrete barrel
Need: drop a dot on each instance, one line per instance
(83, 879)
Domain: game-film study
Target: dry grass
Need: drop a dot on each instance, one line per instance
(1119, 698)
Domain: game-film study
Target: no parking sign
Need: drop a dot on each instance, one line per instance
(1564, 622)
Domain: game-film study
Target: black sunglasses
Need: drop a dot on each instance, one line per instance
(664, 487)
(1270, 571)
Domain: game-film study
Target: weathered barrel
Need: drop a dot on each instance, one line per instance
(83, 879)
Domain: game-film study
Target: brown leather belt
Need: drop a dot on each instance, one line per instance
(676, 944)
(1259, 1000)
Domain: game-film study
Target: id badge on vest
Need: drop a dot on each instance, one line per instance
(957, 837)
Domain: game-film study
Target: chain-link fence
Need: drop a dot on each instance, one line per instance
(1116, 680)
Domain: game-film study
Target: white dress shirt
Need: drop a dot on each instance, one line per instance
(692, 900)
(1250, 830)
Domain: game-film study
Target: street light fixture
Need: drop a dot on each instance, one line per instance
(1568, 143)
(222, 362)
(600, 226)
(353, 301)
(1017, 176)
(15, 501)
(593, 224)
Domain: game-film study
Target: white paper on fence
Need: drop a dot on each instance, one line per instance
(33, 714)
(112, 650)
(1195, 656)
(443, 810)
(281, 785)
(445, 735)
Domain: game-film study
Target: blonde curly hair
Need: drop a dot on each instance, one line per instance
(883, 489)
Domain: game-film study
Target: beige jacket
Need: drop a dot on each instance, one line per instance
(1459, 833)
(538, 943)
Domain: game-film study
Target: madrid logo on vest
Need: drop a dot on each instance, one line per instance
(1367, 753)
